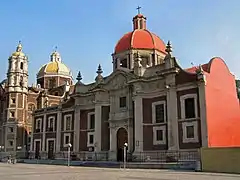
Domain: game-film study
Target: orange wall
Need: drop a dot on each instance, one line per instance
(222, 106)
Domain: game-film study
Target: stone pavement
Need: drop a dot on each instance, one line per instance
(49, 172)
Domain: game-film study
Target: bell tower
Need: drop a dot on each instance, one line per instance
(17, 92)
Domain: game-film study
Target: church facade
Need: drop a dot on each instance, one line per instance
(149, 102)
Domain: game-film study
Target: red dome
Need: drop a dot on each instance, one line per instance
(140, 39)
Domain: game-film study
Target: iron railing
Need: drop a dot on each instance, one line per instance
(166, 156)
(157, 156)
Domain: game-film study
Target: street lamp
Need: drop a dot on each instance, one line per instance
(69, 152)
(125, 154)
(1, 148)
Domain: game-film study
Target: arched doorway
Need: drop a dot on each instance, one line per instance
(122, 137)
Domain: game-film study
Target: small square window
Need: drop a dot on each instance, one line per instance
(190, 131)
(13, 101)
(67, 140)
(12, 114)
(91, 139)
(10, 129)
(10, 143)
(159, 134)
(123, 102)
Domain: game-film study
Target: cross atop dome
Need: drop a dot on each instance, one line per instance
(19, 47)
(139, 21)
(138, 8)
(55, 56)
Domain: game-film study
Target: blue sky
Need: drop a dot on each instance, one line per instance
(87, 31)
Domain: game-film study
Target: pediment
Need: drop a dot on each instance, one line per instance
(116, 80)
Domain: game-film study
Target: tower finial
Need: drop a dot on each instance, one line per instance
(55, 49)
(138, 8)
(99, 70)
(169, 48)
(19, 46)
(79, 76)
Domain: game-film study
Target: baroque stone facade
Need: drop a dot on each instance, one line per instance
(18, 100)
(149, 101)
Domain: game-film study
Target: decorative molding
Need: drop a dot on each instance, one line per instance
(155, 129)
(186, 86)
(195, 139)
(182, 102)
(154, 111)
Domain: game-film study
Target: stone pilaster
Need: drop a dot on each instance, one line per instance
(33, 125)
(131, 60)
(58, 131)
(44, 132)
(203, 115)
(98, 127)
(138, 124)
(172, 123)
(113, 139)
(76, 129)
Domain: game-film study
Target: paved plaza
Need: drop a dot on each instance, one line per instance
(48, 172)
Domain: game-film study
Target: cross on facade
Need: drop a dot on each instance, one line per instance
(138, 8)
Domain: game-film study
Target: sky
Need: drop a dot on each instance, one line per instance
(86, 32)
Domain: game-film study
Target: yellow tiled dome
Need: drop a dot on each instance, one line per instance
(54, 67)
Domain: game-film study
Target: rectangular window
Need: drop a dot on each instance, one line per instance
(12, 114)
(190, 131)
(91, 139)
(51, 124)
(68, 123)
(159, 113)
(10, 130)
(10, 143)
(67, 139)
(38, 125)
(92, 121)
(159, 134)
(190, 108)
(13, 101)
(123, 102)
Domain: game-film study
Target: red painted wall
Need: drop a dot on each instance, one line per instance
(222, 106)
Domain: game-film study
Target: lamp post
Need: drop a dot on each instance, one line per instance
(125, 155)
(69, 152)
